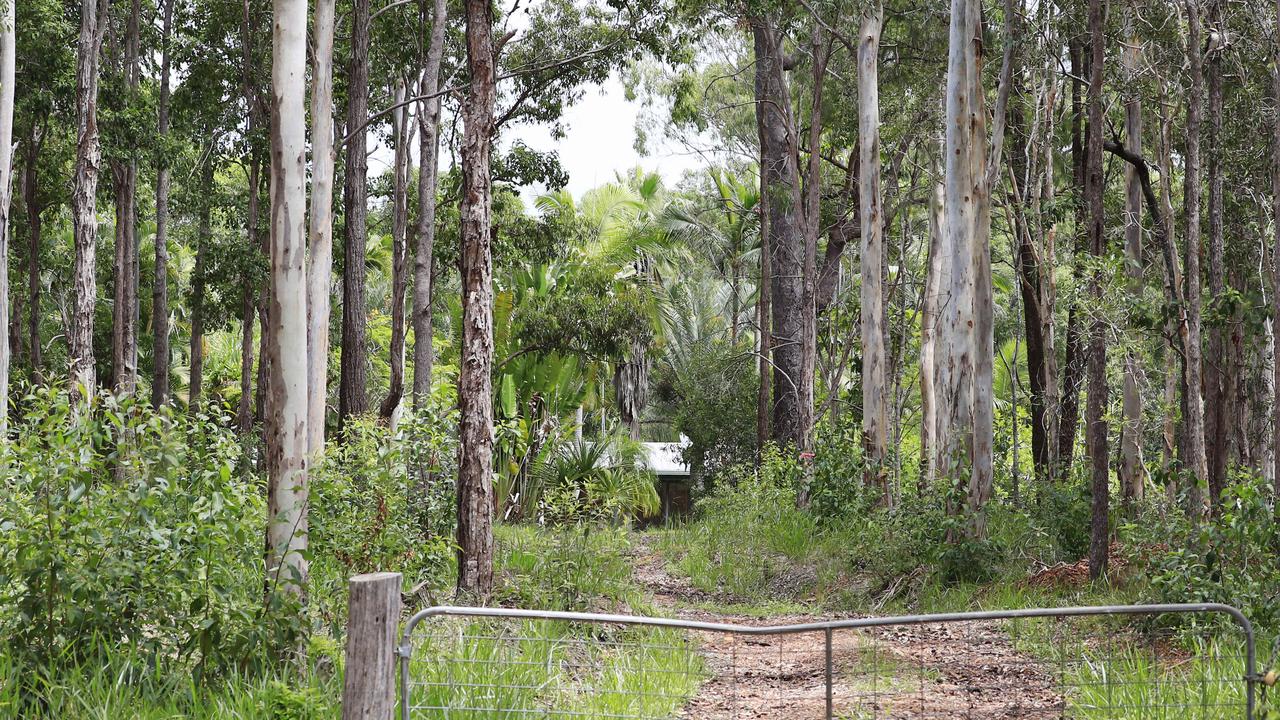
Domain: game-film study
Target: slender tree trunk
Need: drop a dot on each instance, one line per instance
(248, 318)
(1217, 395)
(1275, 267)
(812, 228)
(1032, 268)
(475, 391)
(287, 437)
(764, 319)
(83, 198)
(1265, 454)
(875, 422)
(1095, 420)
(320, 229)
(1073, 373)
(1132, 470)
(248, 301)
(428, 173)
(1195, 423)
(203, 237)
(1161, 212)
(353, 396)
(399, 252)
(251, 303)
(31, 200)
(124, 332)
(160, 280)
(937, 277)
(8, 65)
(781, 173)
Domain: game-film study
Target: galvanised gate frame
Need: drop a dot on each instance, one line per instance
(460, 697)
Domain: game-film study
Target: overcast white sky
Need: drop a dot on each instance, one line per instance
(600, 142)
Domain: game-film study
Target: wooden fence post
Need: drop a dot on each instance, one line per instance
(373, 622)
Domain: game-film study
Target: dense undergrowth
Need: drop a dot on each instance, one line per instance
(131, 578)
(131, 568)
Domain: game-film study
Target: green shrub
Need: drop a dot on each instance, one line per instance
(1228, 559)
(604, 481)
(370, 511)
(128, 528)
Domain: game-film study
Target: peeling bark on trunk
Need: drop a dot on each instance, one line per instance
(875, 421)
(428, 173)
(475, 390)
(287, 438)
(123, 364)
(81, 371)
(320, 227)
(160, 279)
(353, 397)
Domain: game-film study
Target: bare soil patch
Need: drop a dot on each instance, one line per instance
(966, 670)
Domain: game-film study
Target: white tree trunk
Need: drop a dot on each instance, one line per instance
(8, 59)
(875, 421)
(287, 401)
(320, 230)
(937, 282)
(954, 435)
(964, 436)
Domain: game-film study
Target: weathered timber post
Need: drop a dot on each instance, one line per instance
(373, 621)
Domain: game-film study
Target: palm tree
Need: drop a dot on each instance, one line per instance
(726, 235)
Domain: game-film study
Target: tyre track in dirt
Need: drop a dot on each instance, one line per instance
(968, 670)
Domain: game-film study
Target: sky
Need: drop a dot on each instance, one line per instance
(600, 142)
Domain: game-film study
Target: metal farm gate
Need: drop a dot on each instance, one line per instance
(1143, 662)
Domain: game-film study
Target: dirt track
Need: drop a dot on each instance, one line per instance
(931, 671)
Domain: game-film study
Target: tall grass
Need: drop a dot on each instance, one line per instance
(494, 669)
(1207, 684)
(119, 685)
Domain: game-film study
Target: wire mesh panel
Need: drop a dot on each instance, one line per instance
(1140, 662)
(1089, 668)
